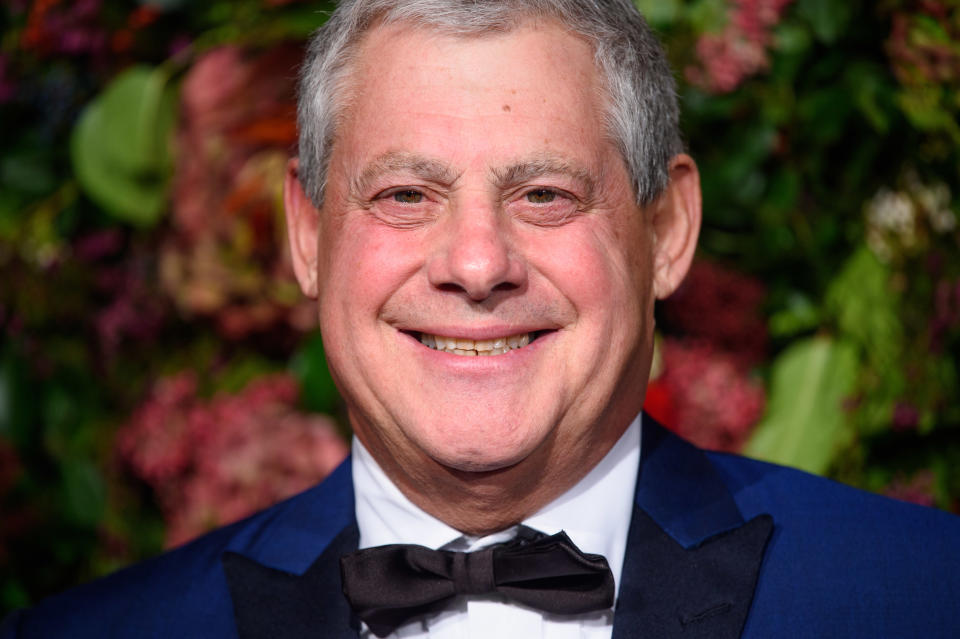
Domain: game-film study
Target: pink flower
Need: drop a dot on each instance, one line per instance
(731, 56)
(946, 313)
(918, 489)
(722, 307)
(704, 396)
(227, 258)
(155, 443)
(905, 416)
(923, 45)
(131, 311)
(220, 460)
(65, 28)
(98, 245)
(229, 101)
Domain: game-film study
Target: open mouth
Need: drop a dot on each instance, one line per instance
(480, 347)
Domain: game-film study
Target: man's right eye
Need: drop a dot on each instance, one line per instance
(408, 196)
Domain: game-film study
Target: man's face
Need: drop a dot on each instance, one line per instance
(474, 201)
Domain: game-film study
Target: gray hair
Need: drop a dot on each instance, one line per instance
(642, 114)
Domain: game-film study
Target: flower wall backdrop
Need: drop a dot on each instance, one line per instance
(159, 370)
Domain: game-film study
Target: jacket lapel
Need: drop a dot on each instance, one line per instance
(273, 603)
(278, 584)
(692, 563)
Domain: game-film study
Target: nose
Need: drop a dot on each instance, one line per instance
(475, 255)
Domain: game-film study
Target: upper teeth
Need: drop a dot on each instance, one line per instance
(461, 346)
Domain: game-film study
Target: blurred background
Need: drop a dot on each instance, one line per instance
(160, 373)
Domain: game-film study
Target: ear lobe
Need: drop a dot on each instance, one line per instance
(303, 227)
(676, 225)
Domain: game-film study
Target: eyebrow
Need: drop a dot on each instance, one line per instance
(423, 167)
(542, 165)
(432, 170)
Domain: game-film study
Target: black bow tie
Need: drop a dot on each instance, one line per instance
(389, 585)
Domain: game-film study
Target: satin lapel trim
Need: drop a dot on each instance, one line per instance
(273, 603)
(704, 591)
(691, 564)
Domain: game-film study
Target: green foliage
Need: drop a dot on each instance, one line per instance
(86, 160)
(84, 494)
(121, 146)
(866, 312)
(660, 13)
(865, 307)
(309, 364)
(806, 423)
(854, 97)
(929, 109)
(827, 19)
(798, 314)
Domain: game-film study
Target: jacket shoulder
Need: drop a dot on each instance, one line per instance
(843, 562)
(795, 496)
(183, 592)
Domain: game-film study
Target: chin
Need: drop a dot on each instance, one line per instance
(479, 458)
(477, 465)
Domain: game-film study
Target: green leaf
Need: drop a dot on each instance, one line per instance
(825, 113)
(871, 93)
(659, 13)
(318, 392)
(13, 595)
(784, 189)
(799, 315)
(28, 172)
(865, 307)
(927, 31)
(708, 16)
(740, 173)
(866, 310)
(18, 408)
(790, 38)
(827, 18)
(120, 146)
(241, 372)
(84, 493)
(924, 107)
(805, 424)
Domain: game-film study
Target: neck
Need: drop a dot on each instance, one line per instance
(481, 503)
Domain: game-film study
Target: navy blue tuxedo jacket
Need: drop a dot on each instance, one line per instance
(719, 546)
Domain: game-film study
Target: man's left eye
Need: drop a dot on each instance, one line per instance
(541, 196)
(408, 196)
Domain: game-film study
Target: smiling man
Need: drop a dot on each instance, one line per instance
(474, 200)
(488, 200)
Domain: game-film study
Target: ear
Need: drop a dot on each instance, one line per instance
(303, 228)
(676, 225)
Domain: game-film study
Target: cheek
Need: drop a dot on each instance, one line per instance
(603, 275)
(366, 264)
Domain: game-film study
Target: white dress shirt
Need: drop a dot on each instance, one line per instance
(595, 513)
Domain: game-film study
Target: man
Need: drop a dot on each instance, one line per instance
(488, 200)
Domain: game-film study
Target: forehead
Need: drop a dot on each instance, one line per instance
(413, 89)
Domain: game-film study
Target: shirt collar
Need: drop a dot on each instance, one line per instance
(595, 512)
